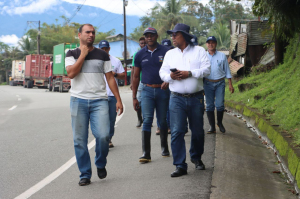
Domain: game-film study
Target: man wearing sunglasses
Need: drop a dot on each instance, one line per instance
(184, 68)
(154, 93)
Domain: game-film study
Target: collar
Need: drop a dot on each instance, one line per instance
(213, 54)
(157, 48)
(184, 50)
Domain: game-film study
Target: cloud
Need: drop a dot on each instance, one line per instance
(64, 11)
(1, 3)
(11, 40)
(134, 7)
(93, 14)
(39, 6)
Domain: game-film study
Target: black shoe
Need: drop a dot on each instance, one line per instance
(111, 145)
(178, 172)
(198, 164)
(219, 120)
(211, 120)
(101, 173)
(146, 146)
(164, 143)
(84, 182)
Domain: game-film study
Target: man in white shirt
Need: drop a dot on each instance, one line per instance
(119, 73)
(87, 66)
(184, 68)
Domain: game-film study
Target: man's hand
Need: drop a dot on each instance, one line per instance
(179, 75)
(84, 50)
(231, 89)
(119, 107)
(130, 86)
(136, 104)
(164, 86)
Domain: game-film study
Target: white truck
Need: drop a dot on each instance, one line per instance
(17, 72)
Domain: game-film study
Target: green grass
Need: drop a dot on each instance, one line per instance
(3, 83)
(279, 92)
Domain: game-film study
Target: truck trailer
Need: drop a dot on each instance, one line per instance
(17, 72)
(58, 77)
(36, 71)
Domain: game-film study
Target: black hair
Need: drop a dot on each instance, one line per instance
(80, 28)
(188, 39)
(142, 38)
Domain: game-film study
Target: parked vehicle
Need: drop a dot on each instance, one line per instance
(17, 72)
(36, 71)
(58, 77)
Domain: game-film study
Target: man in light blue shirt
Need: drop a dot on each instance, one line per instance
(214, 84)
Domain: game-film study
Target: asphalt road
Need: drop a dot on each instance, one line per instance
(36, 140)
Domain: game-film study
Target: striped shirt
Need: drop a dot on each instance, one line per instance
(90, 82)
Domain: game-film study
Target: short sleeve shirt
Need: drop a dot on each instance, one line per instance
(150, 63)
(117, 68)
(90, 82)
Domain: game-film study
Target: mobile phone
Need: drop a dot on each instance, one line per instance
(173, 70)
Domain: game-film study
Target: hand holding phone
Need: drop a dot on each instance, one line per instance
(173, 70)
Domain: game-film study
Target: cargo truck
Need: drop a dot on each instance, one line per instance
(36, 71)
(17, 72)
(58, 77)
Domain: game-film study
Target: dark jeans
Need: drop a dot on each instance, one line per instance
(154, 98)
(112, 101)
(180, 109)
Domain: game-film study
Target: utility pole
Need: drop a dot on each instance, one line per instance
(125, 3)
(38, 36)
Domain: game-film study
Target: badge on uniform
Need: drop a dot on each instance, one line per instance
(161, 58)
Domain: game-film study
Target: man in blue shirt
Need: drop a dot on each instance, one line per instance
(214, 84)
(154, 93)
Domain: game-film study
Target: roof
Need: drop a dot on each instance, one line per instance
(258, 33)
(242, 44)
(235, 67)
(268, 57)
(113, 36)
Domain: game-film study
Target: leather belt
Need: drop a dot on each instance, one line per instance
(154, 85)
(188, 95)
(212, 80)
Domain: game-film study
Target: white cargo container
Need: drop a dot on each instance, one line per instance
(17, 72)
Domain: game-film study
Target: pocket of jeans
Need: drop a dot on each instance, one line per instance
(74, 106)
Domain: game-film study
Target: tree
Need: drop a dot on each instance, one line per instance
(27, 45)
(222, 34)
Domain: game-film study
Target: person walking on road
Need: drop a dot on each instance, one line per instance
(154, 96)
(119, 73)
(142, 43)
(214, 85)
(184, 69)
(87, 66)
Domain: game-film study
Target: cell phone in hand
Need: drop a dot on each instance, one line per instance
(173, 70)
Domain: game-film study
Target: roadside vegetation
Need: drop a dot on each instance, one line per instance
(276, 93)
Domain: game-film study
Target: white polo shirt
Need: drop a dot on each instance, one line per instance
(117, 68)
(194, 59)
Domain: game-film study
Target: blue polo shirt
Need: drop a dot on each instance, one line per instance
(150, 63)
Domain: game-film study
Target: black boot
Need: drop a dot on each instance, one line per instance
(219, 120)
(211, 120)
(164, 143)
(146, 137)
(140, 119)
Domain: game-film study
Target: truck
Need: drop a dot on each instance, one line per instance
(17, 72)
(58, 77)
(36, 71)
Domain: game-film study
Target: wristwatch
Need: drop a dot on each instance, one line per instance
(190, 74)
(116, 74)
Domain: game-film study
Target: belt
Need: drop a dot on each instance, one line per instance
(217, 80)
(188, 95)
(154, 85)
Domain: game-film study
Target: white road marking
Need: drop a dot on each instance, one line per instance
(12, 108)
(58, 172)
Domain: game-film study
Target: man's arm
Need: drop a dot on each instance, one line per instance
(228, 73)
(135, 84)
(114, 89)
(74, 70)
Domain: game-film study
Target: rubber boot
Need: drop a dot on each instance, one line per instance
(146, 146)
(140, 119)
(211, 120)
(164, 143)
(219, 121)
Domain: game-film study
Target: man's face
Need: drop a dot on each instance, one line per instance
(106, 49)
(177, 39)
(151, 39)
(211, 45)
(142, 43)
(87, 35)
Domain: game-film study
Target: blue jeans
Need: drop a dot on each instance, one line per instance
(168, 114)
(96, 113)
(112, 101)
(182, 108)
(154, 98)
(214, 94)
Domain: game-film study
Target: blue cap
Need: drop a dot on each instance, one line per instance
(166, 42)
(211, 38)
(194, 40)
(103, 44)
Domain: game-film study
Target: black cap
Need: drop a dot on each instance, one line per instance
(150, 30)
